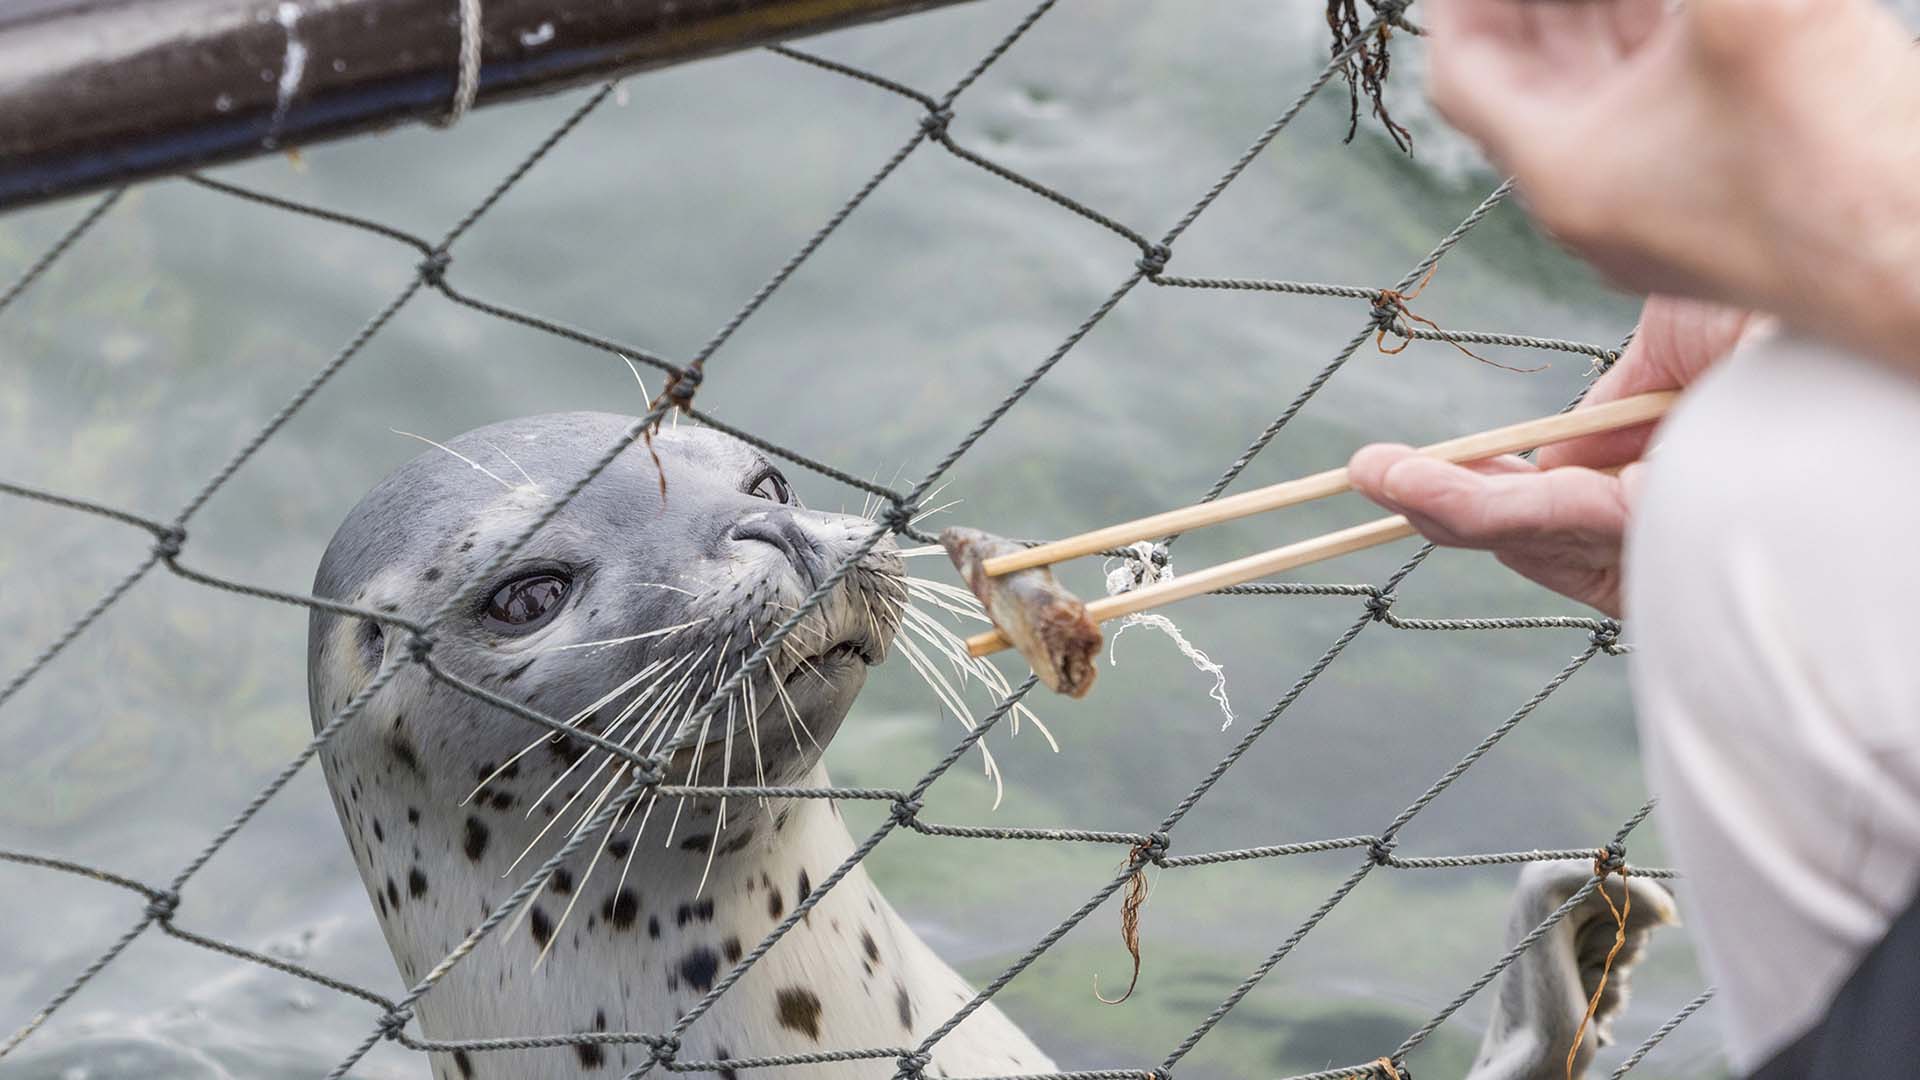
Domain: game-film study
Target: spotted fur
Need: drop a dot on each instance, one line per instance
(436, 822)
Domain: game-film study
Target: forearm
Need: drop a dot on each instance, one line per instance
(1841, 201)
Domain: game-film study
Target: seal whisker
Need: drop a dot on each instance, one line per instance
(629, 709)
(699, 744)
(523, 473)
(572, 721)
(472, 463)
(938, 635)
(635, 368)
(937, 682)
(581, 888)
(925, 514)
(665, 631)
(604, 760)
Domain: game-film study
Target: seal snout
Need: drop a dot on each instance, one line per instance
(780, 530)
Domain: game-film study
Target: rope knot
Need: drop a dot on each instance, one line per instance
(1606, 637)
(162, 905)
(1610, 859)
(1380, 851)
(1160, 1073)
(650, 771)
(681, 386)
(394, 1023)
(904, 811)
(1390, 1070)
(664, 1048)
(433, 268)
(1387, 308)
(935, 122)
(899, 514)
(1390, 10)
(168, 542)
(419, 645)
(1379, 605)
(1154, 259)
(913, 1065)
(1153, 849)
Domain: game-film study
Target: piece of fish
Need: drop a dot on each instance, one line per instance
(1049, 625)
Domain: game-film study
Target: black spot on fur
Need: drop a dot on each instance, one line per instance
(517, 671)
(806, 887)
(720, 1054)
(698, 842)
(379, 834)
(737, 843)
(591, 1056)
(903, 1003)
(562, 881)
(699, 967)
(541, 926)
(600, 1020)
(799, 1010)
(476, 838)
(618, 847)
(413, 815)
(466, 545)
(700, 909)
(653, 927)
(416, 883)
(776, 905)
(503, 800)
(432, 574)
(464, 1063)
(393, 894)
(731, 949)
(780, 819)
(621, 909)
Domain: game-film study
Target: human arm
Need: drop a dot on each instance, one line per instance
(1558, 520)
(1762, 153)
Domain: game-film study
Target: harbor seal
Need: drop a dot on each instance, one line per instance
(622, 615)
(440, 794)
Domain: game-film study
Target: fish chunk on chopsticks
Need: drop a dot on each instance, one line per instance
(1049, 625)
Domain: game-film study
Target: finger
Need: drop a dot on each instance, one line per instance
(1634, 22)
(1368, 467)
(1367, 471)
(1460, 507)
(1676, 341)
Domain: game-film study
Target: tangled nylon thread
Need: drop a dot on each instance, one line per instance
(1130, 905)
(1149, 564)
(1604, 864)
(1366, 64)
(1392, 304)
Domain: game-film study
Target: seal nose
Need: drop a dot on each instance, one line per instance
(778, 529)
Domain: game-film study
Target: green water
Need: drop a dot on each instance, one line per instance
(187, 318)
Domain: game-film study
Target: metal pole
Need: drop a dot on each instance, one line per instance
(97, 93)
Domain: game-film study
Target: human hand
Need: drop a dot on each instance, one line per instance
(1558, 521)
(1756, 152)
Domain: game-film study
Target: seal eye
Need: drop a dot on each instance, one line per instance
(525, 601)
(772, 487)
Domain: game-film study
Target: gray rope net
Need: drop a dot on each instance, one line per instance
(163, 905)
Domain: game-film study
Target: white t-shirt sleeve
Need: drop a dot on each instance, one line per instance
(1773, 594)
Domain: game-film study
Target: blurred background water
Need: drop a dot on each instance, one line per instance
(173, 330)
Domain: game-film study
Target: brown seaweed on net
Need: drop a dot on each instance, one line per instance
(1366, 66)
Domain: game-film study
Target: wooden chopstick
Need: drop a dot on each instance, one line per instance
(1626, 412)
(1372, 534)
(1612, 416)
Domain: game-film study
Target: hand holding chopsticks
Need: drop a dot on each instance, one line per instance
(1612, 416)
